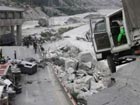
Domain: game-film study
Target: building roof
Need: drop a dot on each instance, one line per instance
(6, 8)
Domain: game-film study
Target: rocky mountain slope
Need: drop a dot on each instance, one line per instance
(75, 3)
(37, 8)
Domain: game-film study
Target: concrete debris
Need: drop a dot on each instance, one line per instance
(95, 86)
(70, 70)
(71, 77)
(108, 82)
(65, 49)
(71, 63)
(58, 61)
(52, 38)
(80, 38)
(85, 66)
(73, 52)
(61, 75)
(84, 95)
(81, 74)
(85, 57)
(70, 51)
(51, 55)
(97, 76)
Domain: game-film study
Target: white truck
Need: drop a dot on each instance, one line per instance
(105, 33)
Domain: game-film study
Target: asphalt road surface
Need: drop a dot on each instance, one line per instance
(41, 88)
(126, 91)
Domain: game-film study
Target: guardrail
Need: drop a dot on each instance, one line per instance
(64, 88)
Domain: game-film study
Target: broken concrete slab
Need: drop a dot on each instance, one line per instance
(84, 95)
(80, 73)
(85, 66)
(58, 61)
(96, 86)
(65, 49)
(85, 57)
(71, 77)
(73, 52)
(71, 63)
(70, 70)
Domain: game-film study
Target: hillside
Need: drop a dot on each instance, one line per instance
(74, 3)
(60, 7)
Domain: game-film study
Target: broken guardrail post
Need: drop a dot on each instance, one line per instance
(15, 54)
(0, 53)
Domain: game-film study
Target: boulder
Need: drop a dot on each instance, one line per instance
(90, 72)
(79, 87)
(85, 57)
(58, 61)
(66, 55)
(71, 77)
(51, 55)
(96, 86)
(97, 76)
(62, 74)
(52, 38)
(70, 70)
(71, 63)
(80, 73)
(65, 49)
(83, 84)
(70, 86)
(85, 66)
(73, 52)
(87, 79)
(108, 82)
(84, 95)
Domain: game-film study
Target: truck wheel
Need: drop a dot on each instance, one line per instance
(111, 64)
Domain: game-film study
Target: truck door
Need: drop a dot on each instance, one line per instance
(119, 32)
(100, 40)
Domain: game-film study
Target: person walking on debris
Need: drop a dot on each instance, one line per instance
(43, 51)
(35, 46)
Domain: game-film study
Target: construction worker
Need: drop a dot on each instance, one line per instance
(35, 46)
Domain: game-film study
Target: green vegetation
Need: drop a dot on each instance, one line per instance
(46, 35)
(71, 10)
(63, 30)
(49, 36)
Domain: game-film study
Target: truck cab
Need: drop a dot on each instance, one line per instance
(105, 33)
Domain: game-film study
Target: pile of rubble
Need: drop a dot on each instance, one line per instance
(10, 76)
(9, 83)
(79, 72)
